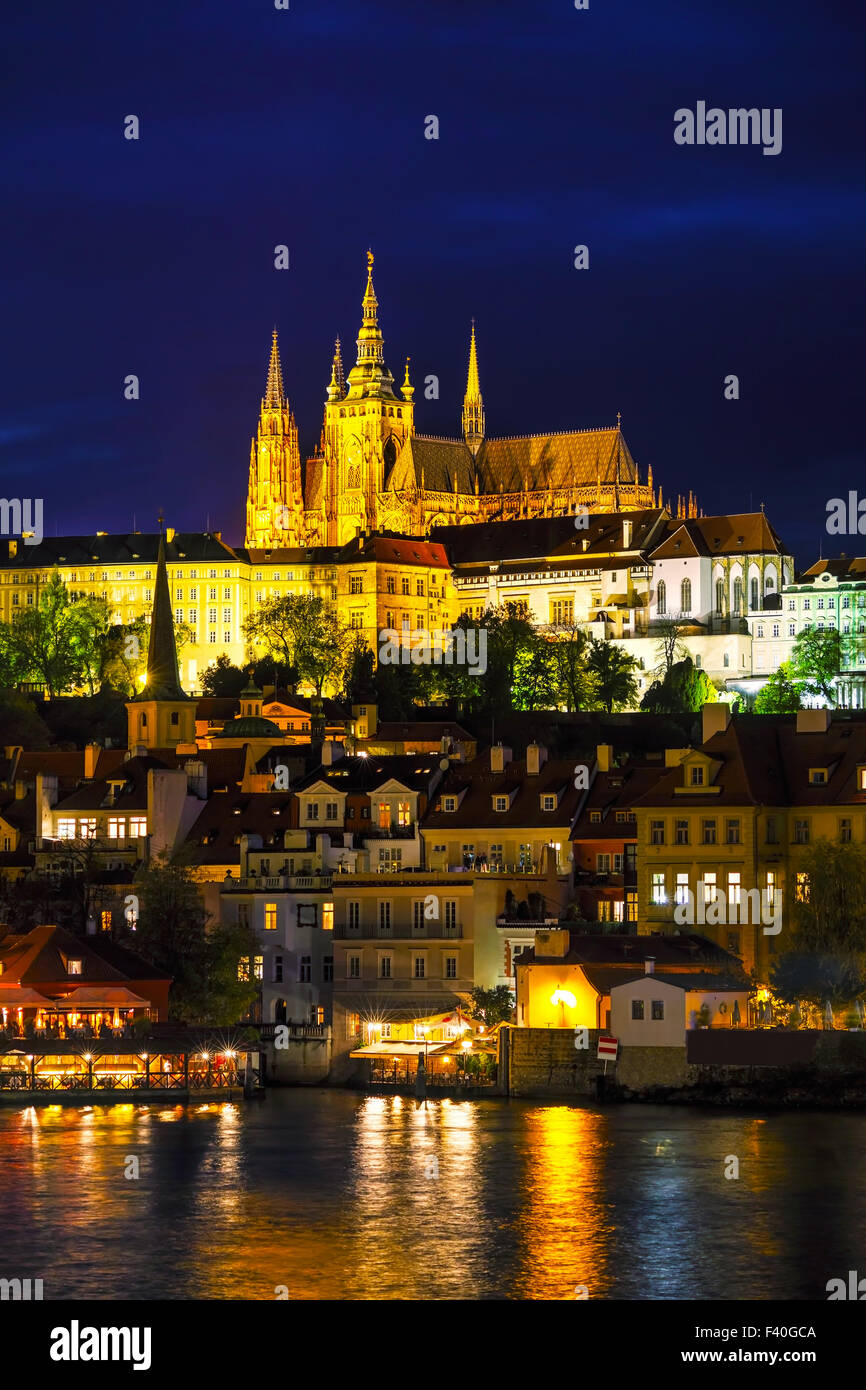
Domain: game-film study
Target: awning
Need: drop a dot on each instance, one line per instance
(400, 1049)
(23, 997)
(95, 997)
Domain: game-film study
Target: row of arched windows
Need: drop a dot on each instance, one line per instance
(736, 596)
(685, 597)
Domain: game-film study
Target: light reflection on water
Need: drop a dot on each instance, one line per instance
(334, 1195)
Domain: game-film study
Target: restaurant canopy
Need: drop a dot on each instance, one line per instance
(23, 997)
(400, 1049)
(99, 997)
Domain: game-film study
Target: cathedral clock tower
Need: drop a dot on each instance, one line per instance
(366, 425)
(275, 503)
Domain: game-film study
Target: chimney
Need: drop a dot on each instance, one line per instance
(331, 752)
(499, 756)
(627, 527)
(91, 758)
(604, 756)
(813, 721)
(46, 797)
(536, 757)
(649, 965)
(715, 719)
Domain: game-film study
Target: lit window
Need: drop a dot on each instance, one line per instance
(802, 888)
(403, 813)
(659, 893)
(74, 967)
(681, 893)
(709, 886)
(137, 827)
(734, 889)
(66, 828)
(116, 827)
(270, 916)
(327, 916)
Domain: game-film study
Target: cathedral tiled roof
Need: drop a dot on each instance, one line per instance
(746, 533)
(537, 462)
(436, 464)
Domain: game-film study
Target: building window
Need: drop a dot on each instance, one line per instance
(737, 605)
(332, 810)
(753, 594)
(66, 828)
(313, 810)
(353, 916)
(637, 1009)
(327, 916)
(450, 910)
(696, 776)
(771, 887)
(661, 600)
(390, 585)
(659, 894)
(327, 970)
(384, 916)
(356, 584)
(817, 776)
(772, 833)
(449, 803)
(404, 586)
(404, 814)
(631, 906)
(686, 597)
(418, 918)
(450, 967)
(602, 863)
(307, 914)
(548, 803)
(306, 970)
(278, 970)
(802, 889)
(657, 832)
(353, 967)
(801, 832)
(353, 1025)
(845, 831)
(657, 1010)
(708, 832)
(709, 888)
(419, 968)
(419, 588)
(682, 832)
(384, 967)
(720, 597)
(681, 893)
(270, 916)
(732, 832)
(734, 889)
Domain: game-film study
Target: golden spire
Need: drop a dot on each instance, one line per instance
(473, 403)
(407, 389)
(370, 376)
(275, 396)
(337, 384)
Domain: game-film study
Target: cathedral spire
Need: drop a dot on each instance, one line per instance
(163, 679)
(473, 403)
(337, 384)
(370, 376)
(275, 396)
(407, 390)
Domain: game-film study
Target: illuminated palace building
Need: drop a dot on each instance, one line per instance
(357, 523)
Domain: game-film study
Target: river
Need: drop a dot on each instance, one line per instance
(328, 1194)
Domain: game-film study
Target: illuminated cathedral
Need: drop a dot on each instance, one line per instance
(373, 472)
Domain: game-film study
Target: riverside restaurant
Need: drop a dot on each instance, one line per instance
(451, 1049)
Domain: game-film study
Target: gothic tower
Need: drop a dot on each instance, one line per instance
(275, 503)
(473, 403)
(366, 425)
(162, 715)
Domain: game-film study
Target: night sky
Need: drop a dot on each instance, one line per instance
(306, 127)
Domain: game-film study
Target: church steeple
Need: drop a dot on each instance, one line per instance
(163, 678)
(473, 403)
(162, 715)
(370, 376)
(275, 396)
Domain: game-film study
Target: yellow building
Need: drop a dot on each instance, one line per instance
(722, 836)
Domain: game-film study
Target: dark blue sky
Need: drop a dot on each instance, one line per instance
(305, 126)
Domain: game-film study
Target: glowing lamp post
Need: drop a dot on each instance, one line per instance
(563, 997)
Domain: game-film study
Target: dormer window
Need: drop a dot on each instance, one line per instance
(548, 802)
(449, 803)
(861, 779)
(595, 817)
(818, 776)
(500, 803)
(74, 966)
(696, 776)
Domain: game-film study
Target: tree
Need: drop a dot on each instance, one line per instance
(49, 640)
(302, 630)
(20, 723)
(222, 679)
(172, 934)
(671, 649)
(575, 685)
(816, 661)
(831, 914)
(613, 670)
(534, 685)
(683, 689)
(806, 977)
(781, 694)
(492, 1006)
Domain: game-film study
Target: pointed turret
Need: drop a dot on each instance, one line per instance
(337, 384)
(370, 376)
(163, 678)
(274, 397)
(407, 390)
(473, 404)
(161, 715)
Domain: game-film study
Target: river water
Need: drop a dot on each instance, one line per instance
(337, 1195)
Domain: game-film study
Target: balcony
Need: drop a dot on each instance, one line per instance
(281, 883)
